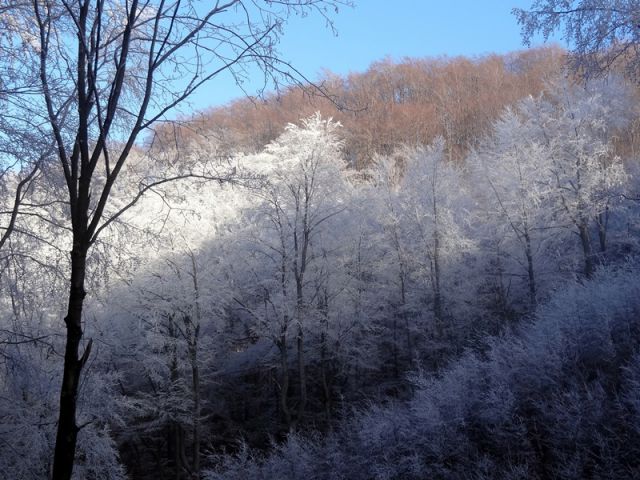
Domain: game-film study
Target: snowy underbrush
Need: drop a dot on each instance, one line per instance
(560, 398)
(29, 389)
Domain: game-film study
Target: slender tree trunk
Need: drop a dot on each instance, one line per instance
(502, 296)
(402, 280)
(323, 307)
(299, 276)
(530, 271)
(195, 374)
(603, 224)
(180, 457)
(407, 327)
(67, 433)
(176, 440)
(177, 448)
(193, 330)
(583, 222)
(284, 380)
(585, 239)
(302, 375)
(403, 306)
(396, 365)
(437, 295)
(326, 391)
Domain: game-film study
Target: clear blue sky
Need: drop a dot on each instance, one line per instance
(375, 29)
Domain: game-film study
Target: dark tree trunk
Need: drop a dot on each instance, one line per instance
(302, 376)
(67, 429)
(195, 377)
(583, 232)
(326, 389)
(284, 380)
(530, 271)
(323, 307)
(396, 364)
(603, 224)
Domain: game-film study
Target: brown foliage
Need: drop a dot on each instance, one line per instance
(394, 102)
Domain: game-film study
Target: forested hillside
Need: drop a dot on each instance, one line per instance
(394, 103)
(430, 270)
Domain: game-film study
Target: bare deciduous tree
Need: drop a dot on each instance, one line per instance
(600, 33)
(107, 70)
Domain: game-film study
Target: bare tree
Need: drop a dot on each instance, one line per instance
(108, 70)
(600, 33)
(23, 144)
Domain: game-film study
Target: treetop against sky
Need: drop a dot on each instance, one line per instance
(376, 29)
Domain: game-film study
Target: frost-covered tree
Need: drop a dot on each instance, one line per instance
(558, 398)
(175, 304)
(393, 265)
(418, 206)
(509, 183)
(550, 167)
(434, 206)
(577, 127)
(601, 33)
(302, 196)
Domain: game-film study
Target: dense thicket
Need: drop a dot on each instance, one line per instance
(556, 398)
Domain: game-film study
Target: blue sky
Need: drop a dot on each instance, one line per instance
(375, 29)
